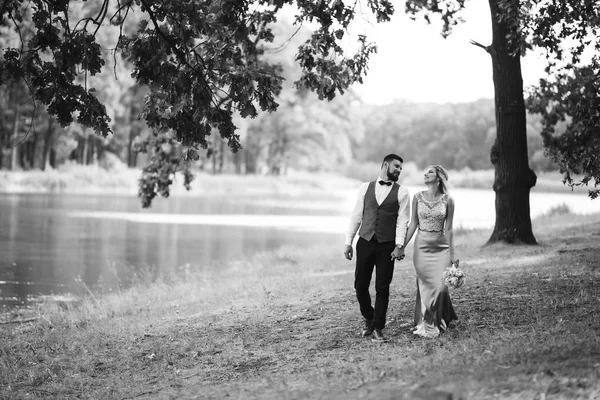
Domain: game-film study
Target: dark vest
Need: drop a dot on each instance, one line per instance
(379, 220)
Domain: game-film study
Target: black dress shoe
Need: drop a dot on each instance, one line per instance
(368, 329)
(378, 336)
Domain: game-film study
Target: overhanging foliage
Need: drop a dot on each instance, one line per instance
(200, 59)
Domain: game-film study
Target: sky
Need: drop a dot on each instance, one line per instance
(415, 63)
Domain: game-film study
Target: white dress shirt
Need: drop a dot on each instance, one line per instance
(381, 192)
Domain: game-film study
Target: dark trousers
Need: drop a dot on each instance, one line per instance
(369, 255)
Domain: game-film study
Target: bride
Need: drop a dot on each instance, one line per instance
(432, 214)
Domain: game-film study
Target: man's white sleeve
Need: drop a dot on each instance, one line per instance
(356, 214)
(403, 215)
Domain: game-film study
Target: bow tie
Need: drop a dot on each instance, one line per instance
(385, 183)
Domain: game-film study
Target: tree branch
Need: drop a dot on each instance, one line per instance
(486, 48)
(120, 9)
(87, 20)
(67, 23)
(121, 22)
(181, 55)
(286, 42)
(18, 29)
(173, 46)
(100, 18)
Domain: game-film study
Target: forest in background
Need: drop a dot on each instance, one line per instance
(305, 133)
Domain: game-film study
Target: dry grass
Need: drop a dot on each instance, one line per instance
(286, 324)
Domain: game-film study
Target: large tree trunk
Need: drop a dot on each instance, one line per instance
(33, 149)
(48, 141)
(134, 131)
(221, 155)
(52, 158)
(131, 153)
(251, 153)
(237, 162)
(2, 135)
(91, 153)
(82, 149)
(25, 155)
(14, 149)
(134, 128)
(513, 178)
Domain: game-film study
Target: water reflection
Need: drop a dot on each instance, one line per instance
(48, 242)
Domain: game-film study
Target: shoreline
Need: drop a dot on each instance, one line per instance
(94, 180)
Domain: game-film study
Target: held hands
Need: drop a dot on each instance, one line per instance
(398, 253)
(348, 252)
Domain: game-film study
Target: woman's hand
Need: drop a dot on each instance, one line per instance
(398, 253)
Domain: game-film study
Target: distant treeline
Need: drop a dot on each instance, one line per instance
(455, 135)
(304, 134)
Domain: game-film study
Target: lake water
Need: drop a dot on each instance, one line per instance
(49, 242)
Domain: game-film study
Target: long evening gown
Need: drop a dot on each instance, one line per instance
(433, 309)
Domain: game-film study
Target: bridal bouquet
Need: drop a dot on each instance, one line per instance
(454, 276)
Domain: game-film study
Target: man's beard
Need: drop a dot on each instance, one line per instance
(392, 176)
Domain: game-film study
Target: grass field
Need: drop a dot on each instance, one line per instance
(285, 325)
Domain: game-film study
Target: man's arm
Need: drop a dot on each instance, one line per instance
(401, 222)
(403, 215)
(355, 220)
(414, 221)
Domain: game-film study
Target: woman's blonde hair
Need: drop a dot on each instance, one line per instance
(442, 175)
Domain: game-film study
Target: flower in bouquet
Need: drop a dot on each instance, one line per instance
(454, 276)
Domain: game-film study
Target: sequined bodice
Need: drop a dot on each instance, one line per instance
(432, 214)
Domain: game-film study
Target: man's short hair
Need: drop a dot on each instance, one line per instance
(391, 157)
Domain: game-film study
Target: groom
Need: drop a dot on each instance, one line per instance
(382, 212)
